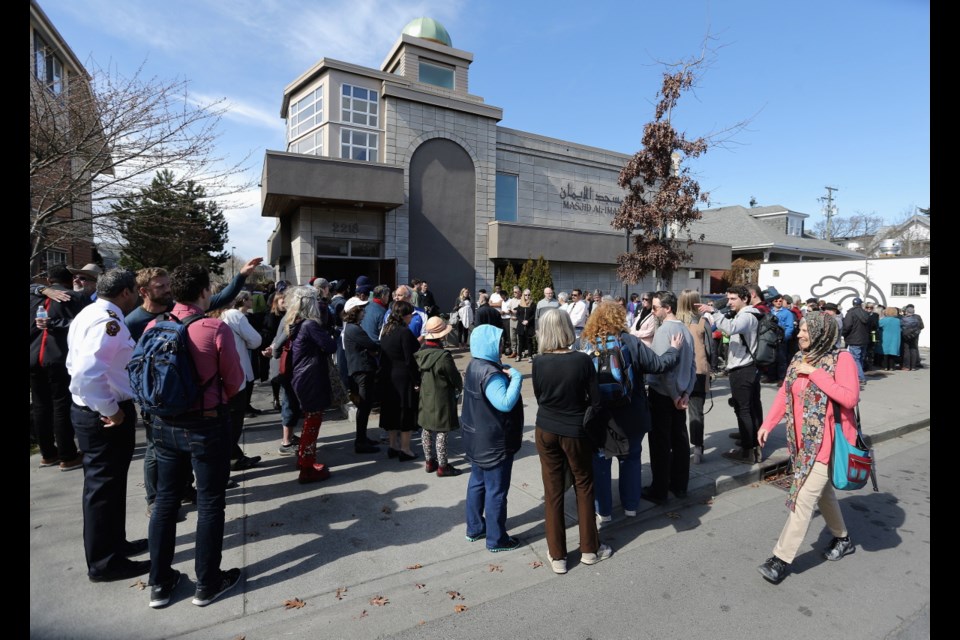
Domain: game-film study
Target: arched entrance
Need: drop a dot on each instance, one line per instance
(443, 219)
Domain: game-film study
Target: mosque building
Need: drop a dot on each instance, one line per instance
(402, 173)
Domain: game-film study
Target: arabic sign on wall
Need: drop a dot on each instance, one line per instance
(587, 201)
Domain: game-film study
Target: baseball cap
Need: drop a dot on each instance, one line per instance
(364, 285)
(770, 294)
(857, 302)
(354, 302)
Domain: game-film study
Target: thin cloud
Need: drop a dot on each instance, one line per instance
(241, 111)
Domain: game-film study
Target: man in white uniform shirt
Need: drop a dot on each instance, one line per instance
(578, 311)
(104, 417)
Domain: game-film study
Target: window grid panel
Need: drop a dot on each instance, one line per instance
(306, 113)
(358, 145)
(358, 105)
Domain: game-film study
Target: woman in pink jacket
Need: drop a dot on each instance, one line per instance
(819, 378)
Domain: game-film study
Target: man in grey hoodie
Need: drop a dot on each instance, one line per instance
(669, 393)
(739, 321)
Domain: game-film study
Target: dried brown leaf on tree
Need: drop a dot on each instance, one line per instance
(340, 592)
(536, 564)
(415, 566)
(460, 608)
(296, 603)
(379, 601)
(455, 595)
(495, 567)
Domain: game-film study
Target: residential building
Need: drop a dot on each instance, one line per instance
(57, 80)
(758, 235)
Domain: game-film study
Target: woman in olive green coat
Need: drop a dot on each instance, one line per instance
(440, 385)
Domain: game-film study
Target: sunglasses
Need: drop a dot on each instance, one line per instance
(83, 279)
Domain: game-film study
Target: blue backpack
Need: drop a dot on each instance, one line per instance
(162, 375)
(614, 366)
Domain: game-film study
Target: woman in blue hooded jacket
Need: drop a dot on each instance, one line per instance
(492, 426)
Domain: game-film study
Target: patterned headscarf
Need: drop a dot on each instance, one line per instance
(821, 352)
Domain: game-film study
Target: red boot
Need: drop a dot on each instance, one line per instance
(315, 473)
(307, 453)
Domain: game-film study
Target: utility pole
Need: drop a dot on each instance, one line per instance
(829, 209)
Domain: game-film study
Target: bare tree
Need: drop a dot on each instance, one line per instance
(662, 196)
(104, 138)
(860, 224)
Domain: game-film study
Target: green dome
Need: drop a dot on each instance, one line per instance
(428, 29)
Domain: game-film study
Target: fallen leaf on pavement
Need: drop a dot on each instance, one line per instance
(536, 564)
(363, 614)
(139, 584)
(495, 567)
(415, 566)
(385, 509)
(340, 592)
(379, 601)
(296, 603)
(419, 585)
(454, 594)
(460, 608)
(673, 515)
(708, 501)
(276, 524)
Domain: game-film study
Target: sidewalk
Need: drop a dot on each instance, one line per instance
(377, 527)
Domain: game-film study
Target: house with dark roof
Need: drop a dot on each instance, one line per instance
(768, 234)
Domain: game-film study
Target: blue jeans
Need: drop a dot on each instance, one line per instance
(629, 484)
(487, 495)
(205, 445)
(290, 412)
(859, 352)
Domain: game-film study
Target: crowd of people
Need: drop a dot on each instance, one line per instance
(339, 345)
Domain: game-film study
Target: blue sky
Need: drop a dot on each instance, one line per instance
(836, 93)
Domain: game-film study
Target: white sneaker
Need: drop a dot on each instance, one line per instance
(697, 455)
(558, 566)
(601, 519)
(629, 513)
(602, 553)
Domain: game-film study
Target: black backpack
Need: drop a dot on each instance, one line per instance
(769, 338)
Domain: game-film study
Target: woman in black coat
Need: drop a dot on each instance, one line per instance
(526, 327)
(399, 381)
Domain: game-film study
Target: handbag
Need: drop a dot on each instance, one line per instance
(286, 368)
(850, 465)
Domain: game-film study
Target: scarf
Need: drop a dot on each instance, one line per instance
(821, 353)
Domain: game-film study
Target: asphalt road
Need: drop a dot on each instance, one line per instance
(695, 576)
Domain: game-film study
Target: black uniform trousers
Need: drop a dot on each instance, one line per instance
(107, 452)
